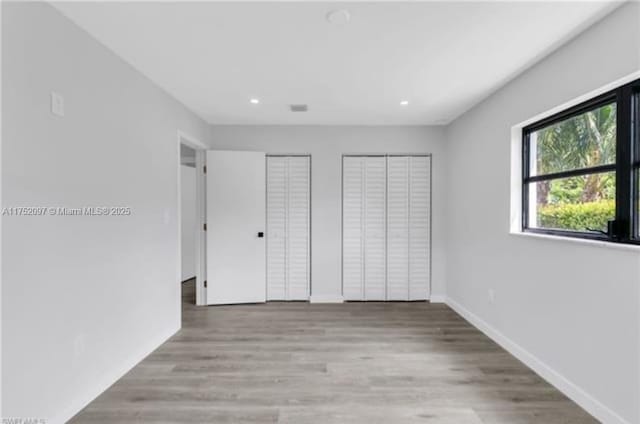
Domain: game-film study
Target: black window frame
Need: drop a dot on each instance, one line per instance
(625, 228)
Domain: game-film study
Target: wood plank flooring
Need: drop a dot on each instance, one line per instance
(300, 363)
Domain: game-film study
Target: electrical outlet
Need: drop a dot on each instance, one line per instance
(57, 104)
(491, 295)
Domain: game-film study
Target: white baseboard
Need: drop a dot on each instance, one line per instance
(575, 393)
(438, 298)
(325, 298)
(110, 377)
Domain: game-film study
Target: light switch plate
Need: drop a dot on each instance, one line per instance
(57, 104)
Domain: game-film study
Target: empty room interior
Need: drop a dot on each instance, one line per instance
(387, 212)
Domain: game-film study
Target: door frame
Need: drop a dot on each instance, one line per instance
(201, 268)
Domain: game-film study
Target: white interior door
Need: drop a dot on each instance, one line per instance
(386, 228)
(298, 228)
(374, 228)
(419, 227)
(363, 228)
(288, 225)
(352, 231)
(398, 228)
(277, 182)
(235, 217)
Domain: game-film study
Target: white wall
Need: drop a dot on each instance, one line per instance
(326, 145)
(84, 298)
(188, 218)
(575, 308)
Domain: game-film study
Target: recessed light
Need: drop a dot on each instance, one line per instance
(339, 17)
(254, 101)
(404, 103)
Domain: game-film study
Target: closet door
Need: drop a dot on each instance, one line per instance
(374, 228)
(419, 227)
(363, 228)
(398, 228)
(298, 228)
(352, 231)
(386, 228)
(276, 228)
(288, 227)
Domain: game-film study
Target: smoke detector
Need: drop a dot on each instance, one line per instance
(339, 17)
(298, 108)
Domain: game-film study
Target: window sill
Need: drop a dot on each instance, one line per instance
(584, 242)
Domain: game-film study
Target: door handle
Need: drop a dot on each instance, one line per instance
(260, 234)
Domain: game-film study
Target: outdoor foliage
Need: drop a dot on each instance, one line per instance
(583, 141)
(577, 216)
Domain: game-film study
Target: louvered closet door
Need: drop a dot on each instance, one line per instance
(288, 227)
(276, 227)
(352, 231)
(408, 227)
(398, 228)
(386, 228)
(419, 227)
(363, 228)
(374, 228)
(298, 231)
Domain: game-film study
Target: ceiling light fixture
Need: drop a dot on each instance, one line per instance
(404, 103)
(254, 101)
(339, 17)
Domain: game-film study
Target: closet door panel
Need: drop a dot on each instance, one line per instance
(352, 222)
(419, 227)
(398, 228)
(375, 228)
(276, 227)
(298, 228)
(386, 228)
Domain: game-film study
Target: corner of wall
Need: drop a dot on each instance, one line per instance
(573, 391)
(112, 377)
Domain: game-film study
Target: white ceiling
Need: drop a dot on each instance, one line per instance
(443, 57)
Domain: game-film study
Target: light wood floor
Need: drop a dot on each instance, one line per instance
(372, 363)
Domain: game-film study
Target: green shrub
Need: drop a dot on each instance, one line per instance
(577, 216)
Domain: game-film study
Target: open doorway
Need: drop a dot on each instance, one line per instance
(191, 207)
(188, 222)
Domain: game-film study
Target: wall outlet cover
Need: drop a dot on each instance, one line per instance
(57, 104)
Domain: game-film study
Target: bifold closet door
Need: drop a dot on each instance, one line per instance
(408, 227)
(288, 227)
(419, 227)
(398, 228)
(386, 227)
(363, 228)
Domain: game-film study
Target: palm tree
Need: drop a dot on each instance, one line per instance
(582, 141)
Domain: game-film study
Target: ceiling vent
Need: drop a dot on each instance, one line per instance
(298, 108)
(338, 17)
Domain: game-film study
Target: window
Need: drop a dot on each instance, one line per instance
(581, 170)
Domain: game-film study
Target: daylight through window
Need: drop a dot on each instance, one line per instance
(580, 169)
